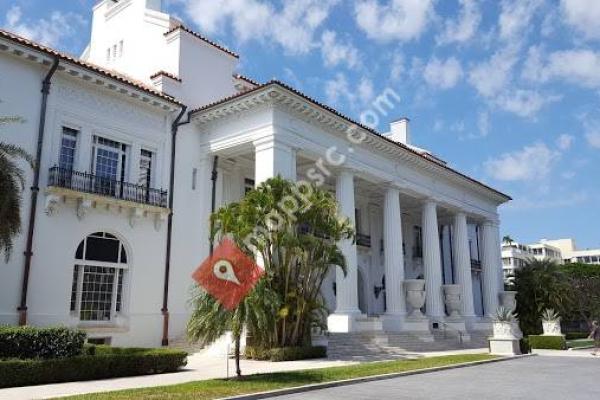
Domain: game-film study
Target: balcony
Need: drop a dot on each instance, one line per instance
(363, 240)
(89, 191)
(93, 184)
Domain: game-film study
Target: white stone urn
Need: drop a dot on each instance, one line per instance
(415, 296)
(452, 299)
(508, 300)
(506, 330)
(552, 328)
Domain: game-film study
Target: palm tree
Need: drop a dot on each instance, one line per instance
(540, 284)
(508, 240)
(12, 183)
(297, 253)
(210, 320)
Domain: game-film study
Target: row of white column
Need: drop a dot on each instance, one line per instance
(276, 158)
(347, 296)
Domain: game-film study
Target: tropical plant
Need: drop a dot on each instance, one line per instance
(584, 283)
(504, 314)
(549, 315)
(12, 183)
(508, 240)
(293, 230)
(210, 320)
(540, 284)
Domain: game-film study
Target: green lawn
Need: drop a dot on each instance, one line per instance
(579, 343)
(217, 388)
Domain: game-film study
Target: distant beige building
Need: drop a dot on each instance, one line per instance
(562, 251)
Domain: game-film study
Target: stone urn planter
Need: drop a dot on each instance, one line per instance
(506, 333)
(415, 296)
(452, 299)
(551, 323)
(508, 300)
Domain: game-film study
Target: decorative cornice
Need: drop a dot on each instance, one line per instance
(74, 67)
(275, 92)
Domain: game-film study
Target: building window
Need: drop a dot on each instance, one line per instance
(248, 185)
(99, 278)
(108, 55)
(68, 145)
(145, 178)
(120, 49)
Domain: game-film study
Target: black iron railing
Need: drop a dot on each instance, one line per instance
(90, 183)
(363, 240)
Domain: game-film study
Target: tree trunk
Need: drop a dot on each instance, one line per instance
(238, 370)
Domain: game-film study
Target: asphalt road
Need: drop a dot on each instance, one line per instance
(547, 378)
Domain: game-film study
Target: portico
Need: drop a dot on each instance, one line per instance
(427, 251)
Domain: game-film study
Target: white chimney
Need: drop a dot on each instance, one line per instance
(400, 131)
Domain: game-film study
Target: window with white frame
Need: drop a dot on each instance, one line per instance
(68, 146)
(146, 161)
(99, 277)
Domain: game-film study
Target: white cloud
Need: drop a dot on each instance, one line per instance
(483, 123)
(515, 17)
(524, 103)
(338, 89)
(592, 132)
(532, 162)
(397, 66)
(334, 52)
(366, 92)
(492, 76)
(443, 74)
(583, 16)
(50, 31)
(464, 27)
(565, 141)
(580, 67)
(402, 20)
(293, 26)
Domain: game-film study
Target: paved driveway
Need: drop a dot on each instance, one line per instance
(540, 377)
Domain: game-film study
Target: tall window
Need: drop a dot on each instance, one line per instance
(98, 278)
(68, 145)
(145, 178)
(109, 165)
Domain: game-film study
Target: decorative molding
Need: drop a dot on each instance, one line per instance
(83, 207)
(51, 207)
(135, 215)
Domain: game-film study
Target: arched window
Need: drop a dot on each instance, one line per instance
(98, 277)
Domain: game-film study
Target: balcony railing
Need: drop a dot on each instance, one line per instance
(90, 183)
(363, 240)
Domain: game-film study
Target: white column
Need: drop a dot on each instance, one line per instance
(347, 286)
(273, 158)
(489, 268)
(462, 263)
(394, 258)
(432, 261)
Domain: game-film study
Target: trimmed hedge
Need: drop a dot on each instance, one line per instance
(547, 342)
(577, 335)
(27, 342)
(286, 353)
(107, 363)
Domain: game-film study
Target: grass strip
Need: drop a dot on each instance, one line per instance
(218, 388)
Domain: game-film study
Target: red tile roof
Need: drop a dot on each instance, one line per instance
(85, 64)
(167, 74)
(349, 120)
(203, 38)
(245, 78)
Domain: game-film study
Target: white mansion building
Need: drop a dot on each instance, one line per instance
(116, 216)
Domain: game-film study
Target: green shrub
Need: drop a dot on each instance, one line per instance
(17, 372)
(577, 335)
(27, 342)
(286, 353)
(524, 346)
(547, 342)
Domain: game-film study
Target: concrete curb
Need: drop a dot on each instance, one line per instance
(372, 378)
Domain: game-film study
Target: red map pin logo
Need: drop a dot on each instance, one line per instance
(228, 275)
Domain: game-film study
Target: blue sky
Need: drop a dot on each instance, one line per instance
(507, 91)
